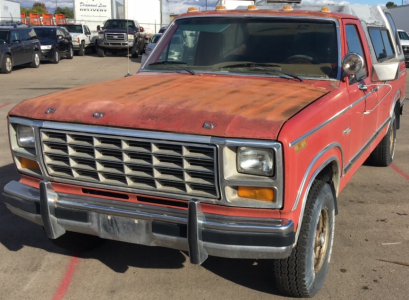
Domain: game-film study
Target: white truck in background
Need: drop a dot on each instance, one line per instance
(82, 38)
(9, 11)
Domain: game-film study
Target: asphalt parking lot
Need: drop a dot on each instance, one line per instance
(370, 259)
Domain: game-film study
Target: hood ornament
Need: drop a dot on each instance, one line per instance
(98, 115)
(208, 125)
(50, 111)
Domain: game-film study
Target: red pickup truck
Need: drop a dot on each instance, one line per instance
(238, 146)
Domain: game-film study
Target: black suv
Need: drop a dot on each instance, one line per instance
(56, 42)
(18, 46)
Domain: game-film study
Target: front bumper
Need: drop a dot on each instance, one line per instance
(188, 230)
(116, 45)
(47, 54)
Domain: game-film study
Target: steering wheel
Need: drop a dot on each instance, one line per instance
(300, 58)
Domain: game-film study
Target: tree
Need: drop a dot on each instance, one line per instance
(390, 4)
(69, 13)
(38, 8)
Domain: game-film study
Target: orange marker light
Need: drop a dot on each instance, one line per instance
(192, 9)
(287, 8)
(257, 193)
(29, 164)
(325, 9)
(252, 7)
(220, 7)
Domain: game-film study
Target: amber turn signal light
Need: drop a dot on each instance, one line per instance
(29, 164)
(287, 8)
(252, 7)
(257, 193)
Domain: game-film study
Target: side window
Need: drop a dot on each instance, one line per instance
(14, 36)
(381, 43)
(23, 36)
(395, 32)
(60, 32)
(355, 45)
(87, 30)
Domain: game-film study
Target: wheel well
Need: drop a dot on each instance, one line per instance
(330, 175)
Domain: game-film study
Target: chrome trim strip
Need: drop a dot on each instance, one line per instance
(338, 114)
(332, 158)
(311, 165)
(401, 72)
(362, 150)
(244, 252)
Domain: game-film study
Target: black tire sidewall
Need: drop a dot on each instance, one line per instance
(56, 57)
(3, 64)
(324, 199)
(81, 51)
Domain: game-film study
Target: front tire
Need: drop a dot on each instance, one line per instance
(101, 52)
(81, 51)
(382, 155)
(36, 60)
(77, 242)
(56, 57)
(6, 64)
(134, 51)
(70, 54)
(303, 273)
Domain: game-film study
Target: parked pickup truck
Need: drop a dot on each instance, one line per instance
(120, 35)
(82, 38)
(234, 148)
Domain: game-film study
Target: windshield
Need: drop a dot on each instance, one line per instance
(74, 28)
(156, 38)
(4, 36)
(403, 35)
(251, 45)
(119, 24)
(46, 33)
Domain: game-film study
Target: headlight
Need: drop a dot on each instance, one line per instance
(256, 161)
(101, 36)
(46, 47)
(25, 136)
(131, 37)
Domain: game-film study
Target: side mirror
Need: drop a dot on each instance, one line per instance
(385, 71)
(352, 64)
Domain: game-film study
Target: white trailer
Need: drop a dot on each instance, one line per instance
(9, 11)
(400, 16)
(150, 14)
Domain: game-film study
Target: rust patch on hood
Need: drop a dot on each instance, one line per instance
(239, 107)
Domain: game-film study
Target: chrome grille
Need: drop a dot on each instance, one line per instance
(115, 36)
(162, 166)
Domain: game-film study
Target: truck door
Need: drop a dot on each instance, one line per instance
(362, 96)
(28, 45)
(17, 48)
(88, 34)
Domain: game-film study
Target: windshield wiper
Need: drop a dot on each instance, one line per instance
(172, 64)
(263, 66)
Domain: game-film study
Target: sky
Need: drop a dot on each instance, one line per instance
(180, 6)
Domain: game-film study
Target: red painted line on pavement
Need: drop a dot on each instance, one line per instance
(4, 105)
(400, 171)
(67, 278)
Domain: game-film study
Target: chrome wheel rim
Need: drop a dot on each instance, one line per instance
(71, 52)
(56, 56)
(321, 240)
(8, 64)
(36, 59)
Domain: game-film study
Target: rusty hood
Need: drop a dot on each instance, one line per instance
(238, 107)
